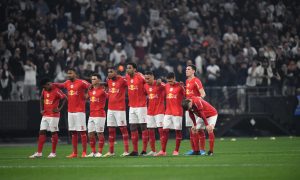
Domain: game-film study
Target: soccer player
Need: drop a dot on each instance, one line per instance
(194, 88)
(156, 108)
(138, 110)
(97, 117)
(116, 113)
(76, 89)
(51, 102)
(173, 114)
(201, 108)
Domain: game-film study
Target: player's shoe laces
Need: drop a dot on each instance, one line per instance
(124, 154)
(143, 153)
(133, 153)
(161, 153)
(91, 155)
(202, 152)
(52, 155)
(36, 155)
(109, 154)
(98, 155)
(190, 152)
(151, 153)
(210, 153)
(73, 155)
(175, 153)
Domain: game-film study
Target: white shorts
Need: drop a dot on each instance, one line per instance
(137, 115)
(96, 124)
(172, 122)
(188, 120)
(49, 124)
(211, 121)
(77, 121)
(116, 118)
(155, 121)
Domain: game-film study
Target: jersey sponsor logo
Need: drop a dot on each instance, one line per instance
(47, 95)
(189, 92)
(94, 99)
(132, 87)
(152, 96)
(94, 92)
(171, 89)
(113, 84)
(131, 81)
(114, 90)
(73, 93)
(71, 86)
(150, 89)
(48, 102)
(188, 85)
(171, 96)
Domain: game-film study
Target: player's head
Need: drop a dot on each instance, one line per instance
(186, 104)
(71, 74)
(46, 84)
(149, 77)
(171, 78)
(190, 70)
(131, 68)
(111, 72)
(95, 79)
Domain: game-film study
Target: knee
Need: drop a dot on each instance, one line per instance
(42, 132)
(143, 127)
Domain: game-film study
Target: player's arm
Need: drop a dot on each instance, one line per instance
(63, 100)
(59, 85)
(202, 93)
(200, 88)
(42, 103)
(192, 116)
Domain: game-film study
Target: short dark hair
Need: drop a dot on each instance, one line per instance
(170, 75)
(192, 66)
(112, 67)
(44, 81)
(149, 73)
(133, 65)
(97, 75)
(185, 104)
(72, 69)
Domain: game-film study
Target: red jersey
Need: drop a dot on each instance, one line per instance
(116, 93)
(202, 109)
(51, 101)
(174, 96)
(136, 91)
(193, 87)
(156, 95)
(97, 102)
(76, 91)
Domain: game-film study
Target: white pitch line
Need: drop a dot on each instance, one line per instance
(143, 166)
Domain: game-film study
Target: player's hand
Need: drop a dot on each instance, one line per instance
(42, 112)
(209, 128)
(193, 129)
(56, 110)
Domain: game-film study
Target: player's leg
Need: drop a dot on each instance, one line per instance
(133, 121)
(188, 124)
(151, 125)
(100, 123)
(111, 124)
(211, 122)
(167, 124)
(177, 121)
(142, 114)
(201, 135)
(159, 123)
(81, 128)
(54, 135)
(42, 137)
(91, 134)
(122, 124)
(73, 132)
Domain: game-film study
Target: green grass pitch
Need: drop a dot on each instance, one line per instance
(244, 158)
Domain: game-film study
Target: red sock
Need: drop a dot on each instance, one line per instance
(74, 141)
(178, 139)
(101, 142)
(201, 134)
(211, 137)
(196, 141)
(93, 143)
(135, 140)
(152, 139)
(41, 141)
(165, 140)
(111, 139)
(161, 134)
(192, 140)
(54, 141)
(83, 141)
(145, 137)
(124, 132)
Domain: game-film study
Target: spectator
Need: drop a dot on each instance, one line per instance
(29, 80)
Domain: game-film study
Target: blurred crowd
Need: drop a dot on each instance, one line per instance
(233, 43)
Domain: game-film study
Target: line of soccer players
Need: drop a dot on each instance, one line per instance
(152, 105)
